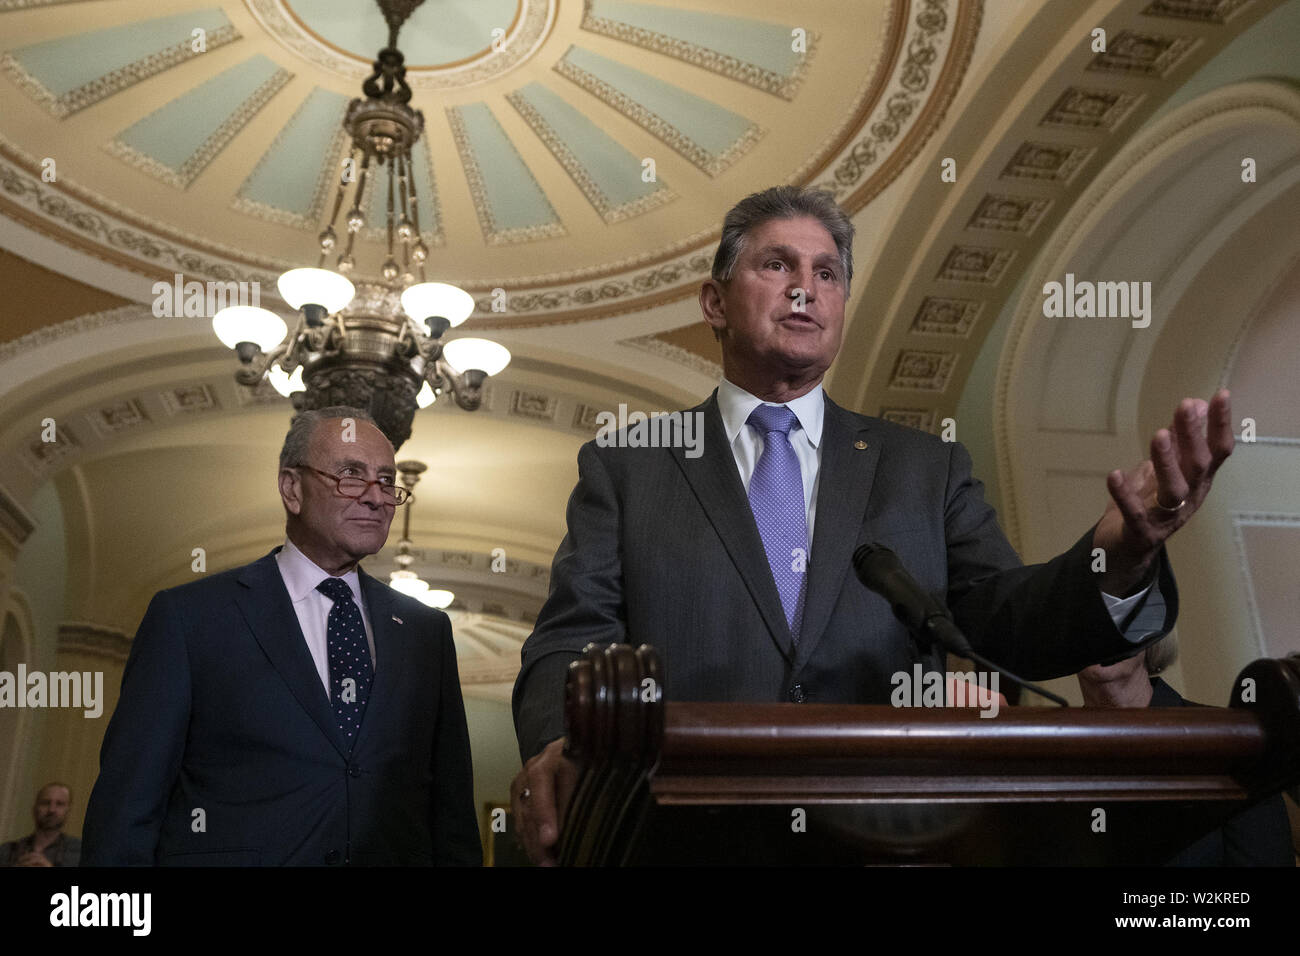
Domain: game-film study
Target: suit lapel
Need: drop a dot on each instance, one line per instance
(842, 492)
(716, 482)
(270, 616)
(386, 630)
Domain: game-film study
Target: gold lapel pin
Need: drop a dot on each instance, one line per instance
(859, 444)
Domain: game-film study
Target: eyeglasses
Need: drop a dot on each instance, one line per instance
(355, 488)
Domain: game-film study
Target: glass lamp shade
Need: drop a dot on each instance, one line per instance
(286, 385)
(436, 597)
(331, 291)
(486, 356)
(426, 397)
(408, 582)
(426, 299)
(248, 323)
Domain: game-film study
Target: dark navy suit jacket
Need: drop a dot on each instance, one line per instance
(663, 549)
(223, 750)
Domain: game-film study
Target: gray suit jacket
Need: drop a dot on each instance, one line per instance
(663, 549)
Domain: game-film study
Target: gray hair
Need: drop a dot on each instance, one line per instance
(783, 202)
(303, 426)
(1161, 655)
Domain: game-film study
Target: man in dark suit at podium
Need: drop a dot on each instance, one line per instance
(702, 553)
(296, 710)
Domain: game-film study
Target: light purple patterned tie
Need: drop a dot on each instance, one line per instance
(776, 497)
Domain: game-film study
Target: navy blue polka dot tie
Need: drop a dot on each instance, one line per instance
(349, 657)
(776, 497)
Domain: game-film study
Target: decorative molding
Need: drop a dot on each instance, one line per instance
(918, 418)
(50, 334)
(913, 76)
(1047, 162)
(675, 353)
(975, 264)
(327, 177)
(76, 637)
(89, 215)
(42, 456)
(532, 28)
(659, 127)
(939, 315)
(1202, 11)
(1028, 309)
(208, 149)
(1079, 108)
(120, 416)
(16, 524)
(769, 81)
(186, 399)
(585, 418)
(494, 234)
(927, 371)
(114, 81)
(1008, 213)
(609, 291)
(1145, 54)
(533, 404)
(578, 172)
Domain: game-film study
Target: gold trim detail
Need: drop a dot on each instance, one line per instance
(208, 149)
(495, 235)
(656, 125)
(769, 81)
(114, 81)
(578, 172)
(534, 25)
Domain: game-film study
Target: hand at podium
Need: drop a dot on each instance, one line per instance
(539, 797)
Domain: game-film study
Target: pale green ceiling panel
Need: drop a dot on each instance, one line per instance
(761, 54)
(177, 141)
(710, 136)
(510, 204)
(298, 174)
(72, 72)
(611, 177)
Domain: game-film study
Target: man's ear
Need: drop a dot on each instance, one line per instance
(291, 490)
(713, 306)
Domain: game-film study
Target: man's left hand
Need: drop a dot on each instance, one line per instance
(1158, 497)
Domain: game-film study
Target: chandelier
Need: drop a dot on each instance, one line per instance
(375, 345)
(404, 579)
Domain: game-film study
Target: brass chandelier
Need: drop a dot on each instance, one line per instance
(373, 345)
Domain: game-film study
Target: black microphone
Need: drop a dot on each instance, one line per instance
(929, 621)
(880, 570)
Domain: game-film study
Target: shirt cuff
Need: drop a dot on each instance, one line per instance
(1149, 620)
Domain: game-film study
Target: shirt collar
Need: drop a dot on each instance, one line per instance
(301, 575)
(735, 405)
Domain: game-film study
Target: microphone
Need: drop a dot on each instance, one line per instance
(880, 570)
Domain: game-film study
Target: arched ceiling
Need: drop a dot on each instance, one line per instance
(578, 156)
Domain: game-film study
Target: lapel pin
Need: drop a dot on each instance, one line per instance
(859, 444)
(397, 619)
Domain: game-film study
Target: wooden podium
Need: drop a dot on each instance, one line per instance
(677, 782)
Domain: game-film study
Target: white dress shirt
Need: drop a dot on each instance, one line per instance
(735, 405)
(301, 576)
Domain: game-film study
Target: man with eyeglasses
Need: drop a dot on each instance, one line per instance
(295, 711)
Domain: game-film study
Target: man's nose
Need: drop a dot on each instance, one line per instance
(373, 496)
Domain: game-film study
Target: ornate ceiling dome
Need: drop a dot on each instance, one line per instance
(577, 156)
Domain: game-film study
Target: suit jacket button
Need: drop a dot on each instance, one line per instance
(353, 771)
(796, 694)
(332, 857)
